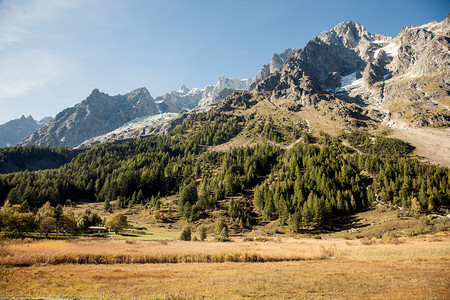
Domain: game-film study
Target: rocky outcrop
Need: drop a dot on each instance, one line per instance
(14, 131)
(102, 118)
(135, 128)
(276, 63)
(97, 115)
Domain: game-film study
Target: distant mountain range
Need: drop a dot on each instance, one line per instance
(368, 79)
(101, 114)
(15, 130)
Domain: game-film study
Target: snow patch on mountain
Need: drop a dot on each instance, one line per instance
(349, 83)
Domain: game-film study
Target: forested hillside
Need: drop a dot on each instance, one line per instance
(305, 187)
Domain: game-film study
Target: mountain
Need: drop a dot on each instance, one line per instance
(403, 78)
(102, 118)
(345, 78)
(187, 99)
(214, 94)
(96, 115)
(15, 130)
(303, 151)
(169, 105)
(176, 101)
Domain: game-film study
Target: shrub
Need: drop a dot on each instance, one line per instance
(203, 232)
(221, 231)
(219, 226)
(185, 234)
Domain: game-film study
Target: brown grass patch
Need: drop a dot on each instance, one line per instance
(418, 268)
(337, 279)
(143, 252)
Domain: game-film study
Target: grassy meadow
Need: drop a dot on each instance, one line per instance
(266, 268)
(376, 254)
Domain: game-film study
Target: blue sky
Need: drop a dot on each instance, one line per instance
(54, 53)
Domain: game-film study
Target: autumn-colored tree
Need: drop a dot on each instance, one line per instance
(116, 222)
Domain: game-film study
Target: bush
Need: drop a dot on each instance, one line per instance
(203, 232)
(186, 234)
(222, 232)
(219, 226)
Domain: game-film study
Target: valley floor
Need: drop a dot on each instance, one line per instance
(405, 268)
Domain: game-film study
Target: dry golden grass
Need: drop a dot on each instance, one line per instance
(338, 279)
(416, 268)
(126, 251)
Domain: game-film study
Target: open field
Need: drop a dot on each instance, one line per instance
(409, 268)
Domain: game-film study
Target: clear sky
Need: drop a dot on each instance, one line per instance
(54, 53)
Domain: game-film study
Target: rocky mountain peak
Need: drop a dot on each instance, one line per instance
(95, 93)
(276, 63)
(351, 64)
(183, 89)
(140, 95)
(140, 92)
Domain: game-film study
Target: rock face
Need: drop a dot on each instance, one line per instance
(96, 115)
(391, 75)
(276, 63)
(14, 131)
(171, 104)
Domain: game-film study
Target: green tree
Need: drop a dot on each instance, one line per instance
(188, 194)
(221, 230)
(82, 223)
(107, 206)
(203, 232)
(68, 221)
(186, 234)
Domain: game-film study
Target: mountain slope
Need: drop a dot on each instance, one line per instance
(349, 78)
(186, 99)
(169, 105)
(14, 131)
(98, 114)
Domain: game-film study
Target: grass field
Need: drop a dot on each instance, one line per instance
(410, 268)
